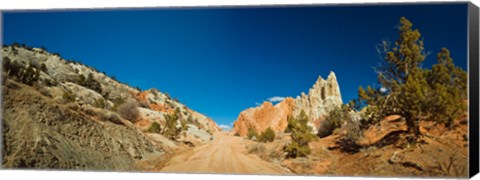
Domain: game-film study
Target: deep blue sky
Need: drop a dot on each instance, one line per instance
(220, 61)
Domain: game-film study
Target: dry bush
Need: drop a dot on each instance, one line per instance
(45, 91)
(454, 166)
(326, 129)
(348, 143)
(129, 111)
(111, 117)
(257, 148)
(89, 110)
(144, 104)
(268, 154)
(72, 106)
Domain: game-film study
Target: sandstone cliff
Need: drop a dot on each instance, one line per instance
(321, 98)
(264, 116)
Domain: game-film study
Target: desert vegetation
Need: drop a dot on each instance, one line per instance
(301, 135)
(86, 114)
(266, 136)
(412, 91)
(128, 110)
(171, 129)
(412, 122)
(388, 129)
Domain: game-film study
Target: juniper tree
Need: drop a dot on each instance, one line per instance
(449, 89)
(267, 136)
(301, 135)
(251, 132)
(170, 130)
(410, 90)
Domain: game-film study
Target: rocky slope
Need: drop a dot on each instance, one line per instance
(63, 114)
(39, 133)
(321, 98)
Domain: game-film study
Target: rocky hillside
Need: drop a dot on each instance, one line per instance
(63, 114)
(321, 98)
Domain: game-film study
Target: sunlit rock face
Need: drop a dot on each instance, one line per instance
(264, 116)
(321, 98)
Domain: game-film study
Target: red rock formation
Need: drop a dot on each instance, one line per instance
(321, 98)
(388, 125)
(143, 98)
(157, 101)
(264, 116)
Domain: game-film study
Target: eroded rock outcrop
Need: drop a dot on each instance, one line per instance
(264, 116)
(158, 104)
(321, 98)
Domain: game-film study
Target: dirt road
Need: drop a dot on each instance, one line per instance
(226, 154)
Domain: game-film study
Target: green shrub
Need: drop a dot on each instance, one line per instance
(267, 136)
(30, 75)
(68, 96)
(6, 63)
(301, 136)
(27, 75)
(43, 48)
(295, 150)
(154, 128)
(334, 120)
(49, 82)
(117, 102)
(43, 67)
(252, 133)
(185, 127)
(89, 82)
(169, 103)
(170, 130)
(15, 69)
(99, 103)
